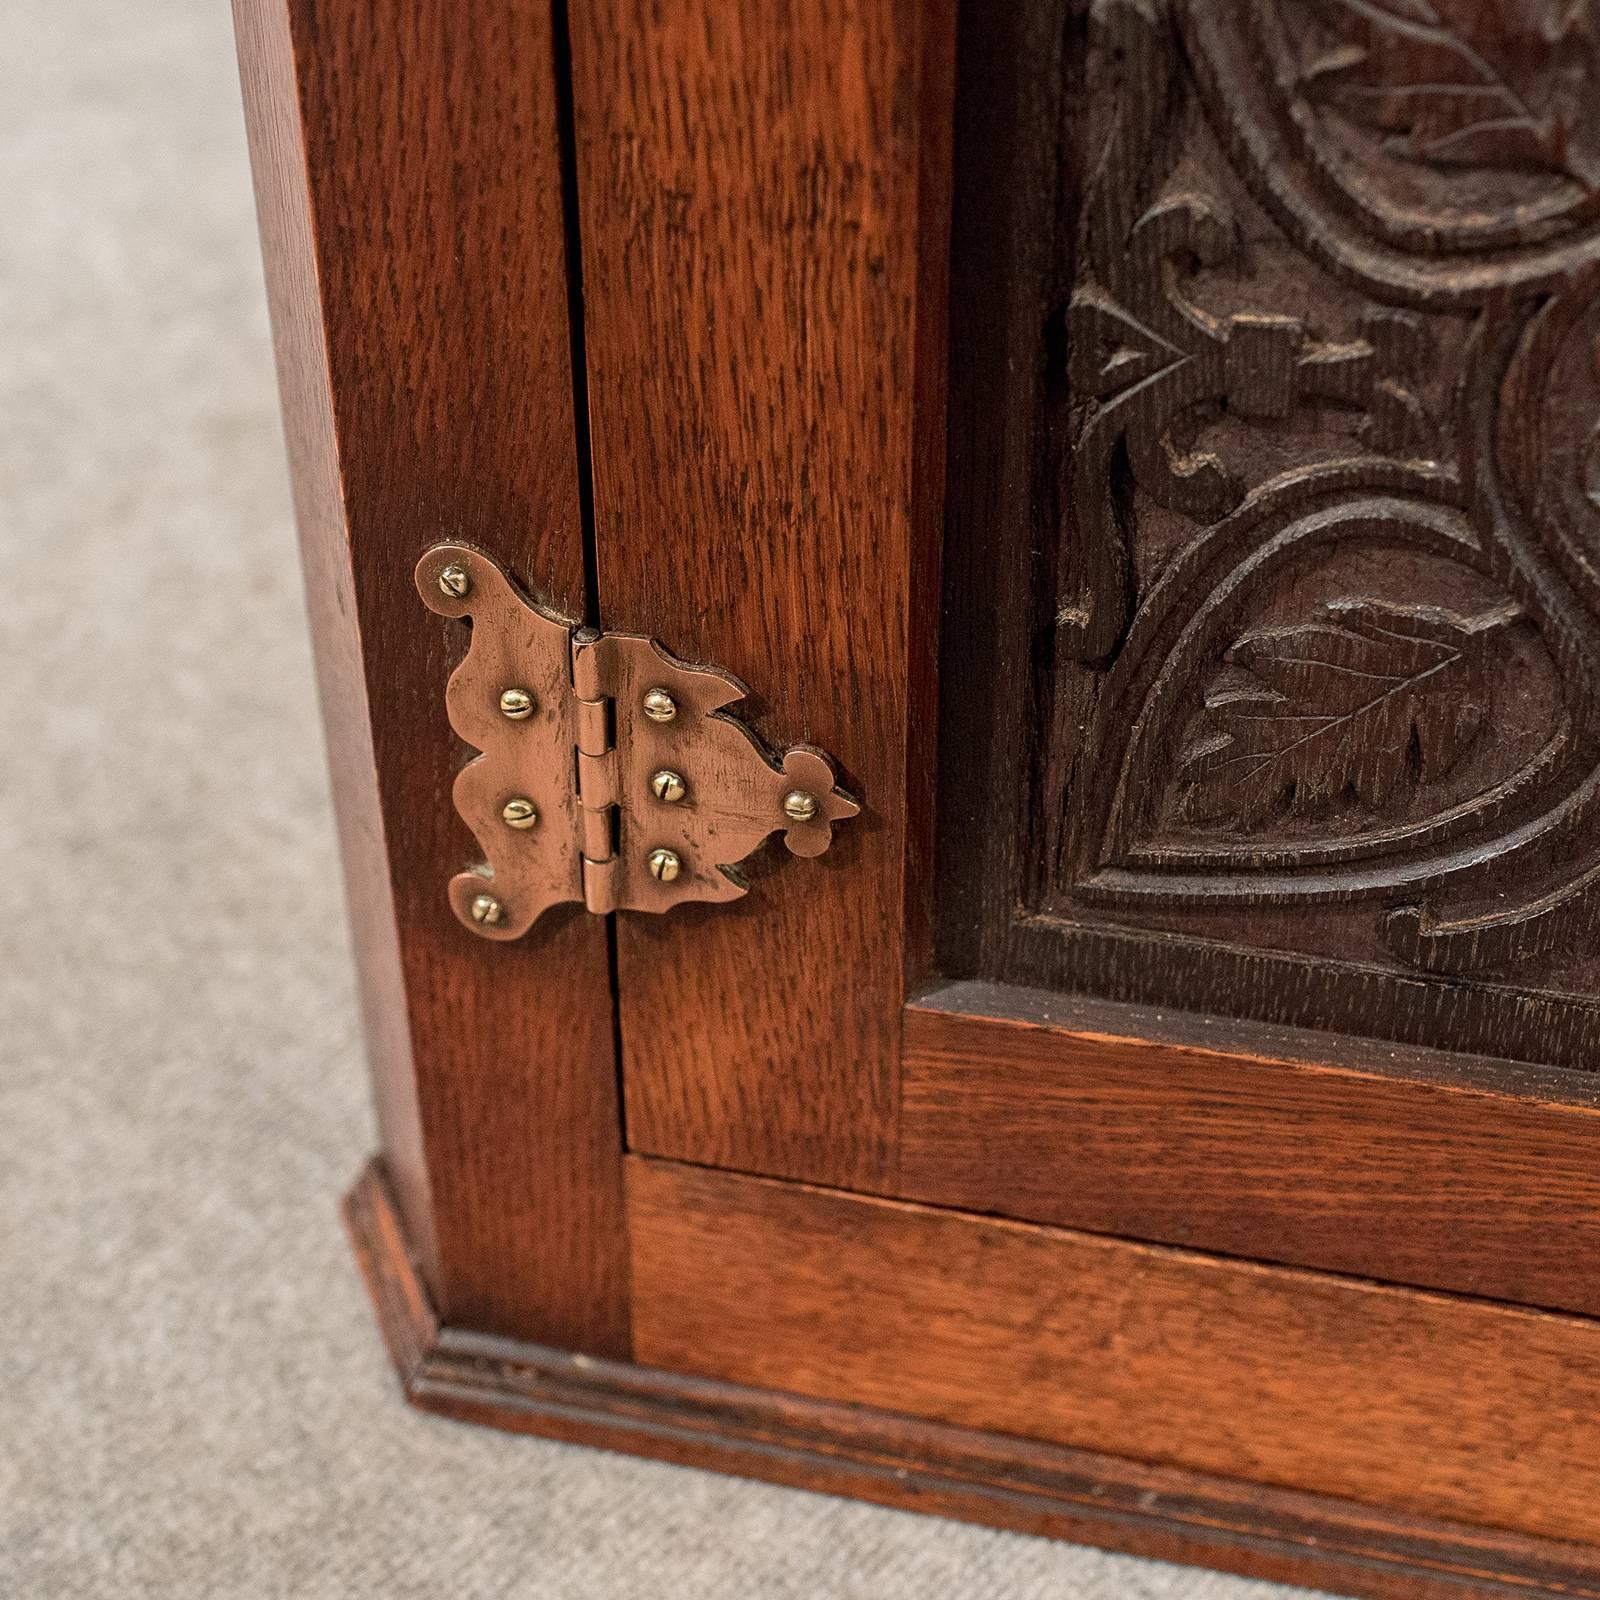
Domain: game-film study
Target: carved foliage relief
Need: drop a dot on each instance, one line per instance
(1328, 576)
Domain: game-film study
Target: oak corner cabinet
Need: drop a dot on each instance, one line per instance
(962, 665)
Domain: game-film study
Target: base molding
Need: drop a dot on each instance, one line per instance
(1161, 1512)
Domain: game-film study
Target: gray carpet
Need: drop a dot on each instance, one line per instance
(193, 1401)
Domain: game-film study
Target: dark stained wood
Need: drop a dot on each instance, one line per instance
(1009, 125)
(763, 201)
(1321, 422)
(1162, 1512)
(408, 170)
(1422, 1403)
(1402, 1164)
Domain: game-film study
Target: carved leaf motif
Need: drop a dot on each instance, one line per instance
(1404, 69)
(1357, 701)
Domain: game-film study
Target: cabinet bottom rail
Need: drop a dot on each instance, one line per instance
(1165, 1513)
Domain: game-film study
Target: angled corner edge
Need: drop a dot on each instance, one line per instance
(908, 1463)
(400, 1300)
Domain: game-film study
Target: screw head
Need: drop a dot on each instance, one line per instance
(659, 706)
(800, 805)
(487, 910)
(518, 813)
(454, 581)
(517, 704)
(665, 865)
(668, 787)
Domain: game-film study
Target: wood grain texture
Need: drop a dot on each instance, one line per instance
(1422, 1403)
(278, 160)
(1210, 408)
(1345, 1155)
(408, 170)
(763, 218)
(1162, 1512)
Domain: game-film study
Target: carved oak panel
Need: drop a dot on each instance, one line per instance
(1316, 603)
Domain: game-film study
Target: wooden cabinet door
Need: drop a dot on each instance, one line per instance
(1155, 447)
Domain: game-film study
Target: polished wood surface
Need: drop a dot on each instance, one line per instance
(408, 167)
(1429, 1404)
(1385, 1161)
(763, 209)
(1167, 1513)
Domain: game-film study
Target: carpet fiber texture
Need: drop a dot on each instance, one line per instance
(193, 1399)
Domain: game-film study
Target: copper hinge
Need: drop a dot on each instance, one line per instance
(610, 772)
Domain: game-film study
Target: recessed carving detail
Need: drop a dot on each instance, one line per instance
(1328, 574)
(1411, 73)
(1366, 700)
(1431, 150)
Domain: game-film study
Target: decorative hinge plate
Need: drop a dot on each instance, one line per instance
(610, 772)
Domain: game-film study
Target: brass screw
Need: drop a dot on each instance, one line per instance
(516, 704)
(668, 787)
(453, 580)
(799, 805)
(519, 813)
(665, 865)
(487, 910)
(659, 706)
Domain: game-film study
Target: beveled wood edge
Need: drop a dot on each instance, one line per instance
(1096, 1021)
(1117, 1504)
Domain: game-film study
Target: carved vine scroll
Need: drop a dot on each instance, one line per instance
(1329, 568)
